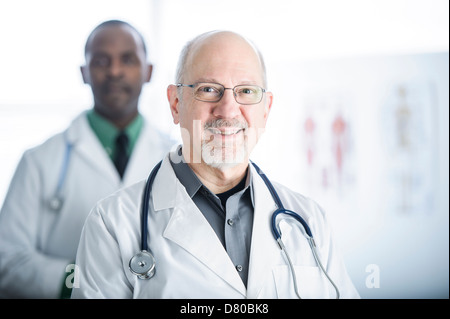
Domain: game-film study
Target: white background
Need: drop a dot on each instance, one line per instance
(356, 51)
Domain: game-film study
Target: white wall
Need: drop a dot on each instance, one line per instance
(42, 48)
(322, 57)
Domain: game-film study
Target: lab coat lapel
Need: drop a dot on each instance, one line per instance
(264, 248)
(143, 152)
(189, 229)
(87, 145)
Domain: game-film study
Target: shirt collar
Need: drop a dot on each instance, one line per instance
(107, 132)
(188, 178)
(184, 173)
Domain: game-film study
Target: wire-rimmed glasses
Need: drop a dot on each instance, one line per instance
(245, 94)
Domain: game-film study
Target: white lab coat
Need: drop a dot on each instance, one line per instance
(190, 259)
(37, 243)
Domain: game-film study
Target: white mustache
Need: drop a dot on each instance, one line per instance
(221, 123)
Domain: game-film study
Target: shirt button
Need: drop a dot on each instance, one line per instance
(239, 268)
(230, 222)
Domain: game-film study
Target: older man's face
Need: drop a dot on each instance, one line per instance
(222, 133)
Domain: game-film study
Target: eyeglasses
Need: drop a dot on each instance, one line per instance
(213, 92)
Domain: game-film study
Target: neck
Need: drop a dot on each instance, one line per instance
(219, 180)
(120, 121)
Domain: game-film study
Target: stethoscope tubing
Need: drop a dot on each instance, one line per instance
(145, 203)
(56, 201)
(64, 167)
(280, 210)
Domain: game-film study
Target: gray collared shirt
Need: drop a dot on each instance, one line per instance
(232, 223)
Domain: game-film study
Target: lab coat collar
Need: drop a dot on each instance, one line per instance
(264, 248)
(203, 242)
(188, 227)
(165, 192)
(148, 141)
(86, 144)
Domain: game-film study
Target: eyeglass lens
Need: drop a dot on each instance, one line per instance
(213, 92)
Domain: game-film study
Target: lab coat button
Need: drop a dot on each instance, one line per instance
(230, 222)
(239, 268)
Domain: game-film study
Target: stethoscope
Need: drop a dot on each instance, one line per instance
(56, 202)
(143, 263)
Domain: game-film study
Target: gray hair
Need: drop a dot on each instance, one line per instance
(181, 67)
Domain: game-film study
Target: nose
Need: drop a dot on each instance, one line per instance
(115, 68)
(227, 107)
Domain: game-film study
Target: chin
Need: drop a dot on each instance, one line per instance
(222, 157)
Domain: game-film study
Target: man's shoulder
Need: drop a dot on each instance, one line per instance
(294, 198)
(127, 198)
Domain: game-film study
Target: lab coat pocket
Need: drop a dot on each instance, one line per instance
(311, 282)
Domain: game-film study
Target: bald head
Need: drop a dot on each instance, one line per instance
(215, 45)
(115, 24)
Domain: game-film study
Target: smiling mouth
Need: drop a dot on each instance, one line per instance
(225, 131)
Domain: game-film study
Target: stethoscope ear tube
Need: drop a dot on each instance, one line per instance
(281, 209)
(292, 214)
(56, 202)
(277, 235)
(143, 264)
(145, 203)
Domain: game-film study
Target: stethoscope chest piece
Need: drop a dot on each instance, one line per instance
(55, 203)
(143, 265)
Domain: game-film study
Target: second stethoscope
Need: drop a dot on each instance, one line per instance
(56, 202)
(143, 263)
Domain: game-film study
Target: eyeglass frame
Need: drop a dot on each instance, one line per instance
(224, 88)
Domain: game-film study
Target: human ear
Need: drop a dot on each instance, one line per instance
(85, 74)
(149, 72)
(172, 96)
(268, 105)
